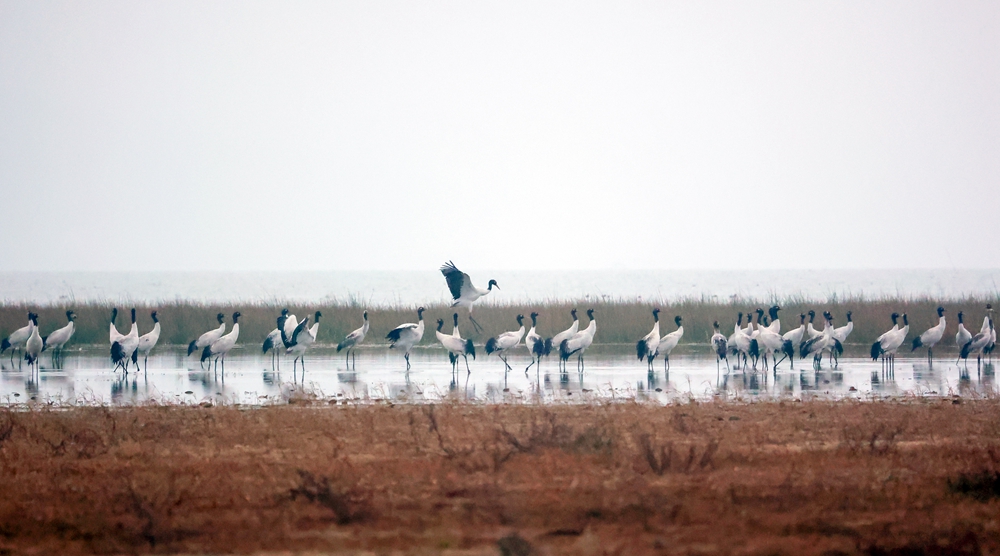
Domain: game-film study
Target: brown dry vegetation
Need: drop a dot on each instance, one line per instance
(792, 478)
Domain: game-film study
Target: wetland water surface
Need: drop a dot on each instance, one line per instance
(85, 377)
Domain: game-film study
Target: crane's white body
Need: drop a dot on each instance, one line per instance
(963, 336)
(405, 336)
(17, 338)
(557, 340)
(932, 335)
(648, 344)
(456, 346)
(506, 341)
(668, 342)
(208, 338)
(578, 343)
(57, 339)
(33, 345)
(124, 347)
(219, 348)
(148, 340)
(463, 292)
(355, 338)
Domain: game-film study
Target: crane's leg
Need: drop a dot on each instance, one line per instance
(466, 363)
(474, 323)
(407, 357)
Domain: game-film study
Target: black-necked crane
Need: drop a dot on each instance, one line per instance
(452, 358)
(456, 346)
(720, 347)
(354, 338)
(769, 341)
(57, 339)
(124, 350)
(16, 340)
(887, 344)
(963, 336)
(207, 338)
(731, 340)
(811, 331)
(840, 334)
(978, 344)
(302, 337)
(775, 324)
(669, 341)
(33, 345)
(273, 338)
(740, 342)
(988, 319)
(222, 345)
(463, 293)
(578, 343)
(537, 346)
(574, 327)
(814, 347)
(148, 340)
(791, 339)
(931, 336)
(405, 336)
(645, 348)
(506, 341)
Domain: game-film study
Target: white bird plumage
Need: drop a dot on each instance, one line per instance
(506, 341)
(455, 345)
(17, 338)
(353, 339)
(578, 343)
(57, 339)
(646, 347)
(302, 337)
(537, 346)
(931, 336)
(463, 293)
(222, 345)
(124, 349)
(669, 341)
(209, 337)
(148, 340)
(887, 344)
(405, 336)
(33, 345)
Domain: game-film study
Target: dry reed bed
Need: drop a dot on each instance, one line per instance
(792, 478)
(621, 322)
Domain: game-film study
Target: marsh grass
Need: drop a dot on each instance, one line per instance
(619, 321)
(626, 478)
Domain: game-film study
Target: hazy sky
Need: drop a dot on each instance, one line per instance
(535, 135)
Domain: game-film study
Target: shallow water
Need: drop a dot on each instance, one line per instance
(423, 287)
(85, 377)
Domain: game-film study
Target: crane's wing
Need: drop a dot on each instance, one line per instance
(298, 330)
(393, 335)
(457, 280)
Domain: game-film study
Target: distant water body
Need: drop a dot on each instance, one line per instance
(424, 287)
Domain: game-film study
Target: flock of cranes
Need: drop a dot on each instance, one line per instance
(759, 342)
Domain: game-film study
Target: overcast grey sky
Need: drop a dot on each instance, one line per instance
(534, 135)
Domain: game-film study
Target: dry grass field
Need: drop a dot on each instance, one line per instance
(921, 477)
